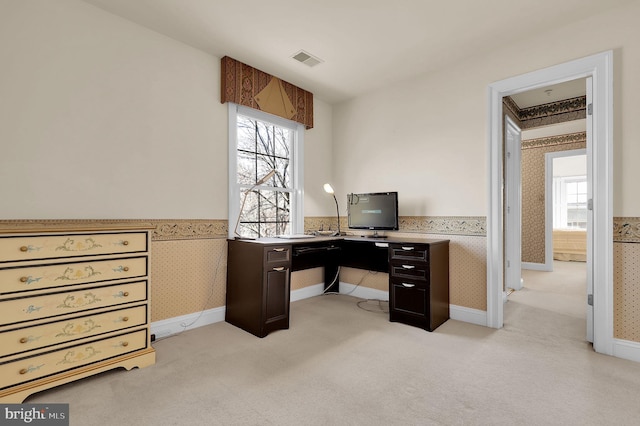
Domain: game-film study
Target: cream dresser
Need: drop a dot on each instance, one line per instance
(74, 301)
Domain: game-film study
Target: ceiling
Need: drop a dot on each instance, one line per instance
(364, 44)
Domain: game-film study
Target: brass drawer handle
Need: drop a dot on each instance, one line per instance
(126, 269)
(24, 279)
(24, 248)
(408, 285)
(125, 319)
(24, 340)
(279, 269)
(24, 371)
(408, 266)
(125, 294)
(125, 344)
(407, 248)
(125, 243)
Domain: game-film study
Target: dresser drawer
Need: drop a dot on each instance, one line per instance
(17, 248)
(27, 369)
(49, 305)
(40, 336)
(408, 252)
(413, 271)
(13, 280)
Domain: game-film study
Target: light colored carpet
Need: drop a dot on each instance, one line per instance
(341, 365)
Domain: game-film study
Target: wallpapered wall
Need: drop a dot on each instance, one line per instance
(533, 189)
(188, 265)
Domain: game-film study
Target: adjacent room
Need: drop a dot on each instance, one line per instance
(320, 212)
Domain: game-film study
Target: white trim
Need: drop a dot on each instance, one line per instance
(175, 325)
(464, 314)
(600, 68)
(297, 159)
(626, 349)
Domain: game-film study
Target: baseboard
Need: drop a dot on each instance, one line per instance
(307, 292)
(626, 349)
(537, 266)
(473, 316)
(363, 292)
(169, 326)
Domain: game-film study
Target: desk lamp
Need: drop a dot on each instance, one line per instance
(258, 183)
(329, 190)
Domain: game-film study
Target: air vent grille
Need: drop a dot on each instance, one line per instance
(307, 58)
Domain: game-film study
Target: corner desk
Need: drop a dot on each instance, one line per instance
(259, 273)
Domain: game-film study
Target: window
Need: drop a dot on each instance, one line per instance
(570, 202)
(265, 174)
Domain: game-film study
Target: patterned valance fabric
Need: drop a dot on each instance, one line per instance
(245, 85)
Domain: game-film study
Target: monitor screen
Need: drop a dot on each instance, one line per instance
(377, 210)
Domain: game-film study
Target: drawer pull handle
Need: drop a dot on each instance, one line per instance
(125, 344)
(279, 249)
(125, 319)
(126, 269)
(408, 266)
(279, 269)
(125, 243)
(125, 294)
(407, 248)
(24, 340)
(24, 371)
(24, 248)
(24, 279)
(408, 285)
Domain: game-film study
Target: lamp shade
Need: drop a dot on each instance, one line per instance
(328, 189)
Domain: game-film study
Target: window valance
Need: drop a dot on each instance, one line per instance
(245, 85)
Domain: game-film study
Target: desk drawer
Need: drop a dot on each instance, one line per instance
(279, 255)
(27, 369)
(409, 270)
(40, 336)
(49, 305)
(13, 280)
(70, 245)
(408, 252)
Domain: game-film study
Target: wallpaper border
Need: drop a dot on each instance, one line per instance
(549, 113)
(567, 138)
(625, 229)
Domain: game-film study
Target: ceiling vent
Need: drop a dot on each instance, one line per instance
(307, 58)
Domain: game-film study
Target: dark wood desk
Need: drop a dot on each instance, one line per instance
(259, 273)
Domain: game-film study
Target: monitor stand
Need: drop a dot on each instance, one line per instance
(376, 235)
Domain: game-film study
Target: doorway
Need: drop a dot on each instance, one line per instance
(599, 68)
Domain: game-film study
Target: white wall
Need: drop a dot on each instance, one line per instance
(427, 137)
(102, 118)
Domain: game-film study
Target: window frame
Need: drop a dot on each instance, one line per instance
(296, 162)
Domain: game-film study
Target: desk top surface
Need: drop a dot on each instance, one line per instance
(318, 239)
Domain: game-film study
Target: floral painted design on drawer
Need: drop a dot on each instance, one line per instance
(27, 369)
(50, 305)
(13, 280)
(13, 249)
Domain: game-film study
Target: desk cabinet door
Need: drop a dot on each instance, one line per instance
(409, 298)
(276, 294)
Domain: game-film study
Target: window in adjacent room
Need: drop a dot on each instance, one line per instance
(265, 174)
(570, 203)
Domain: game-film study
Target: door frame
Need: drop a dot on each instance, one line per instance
(600, 68)
(513, 198)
